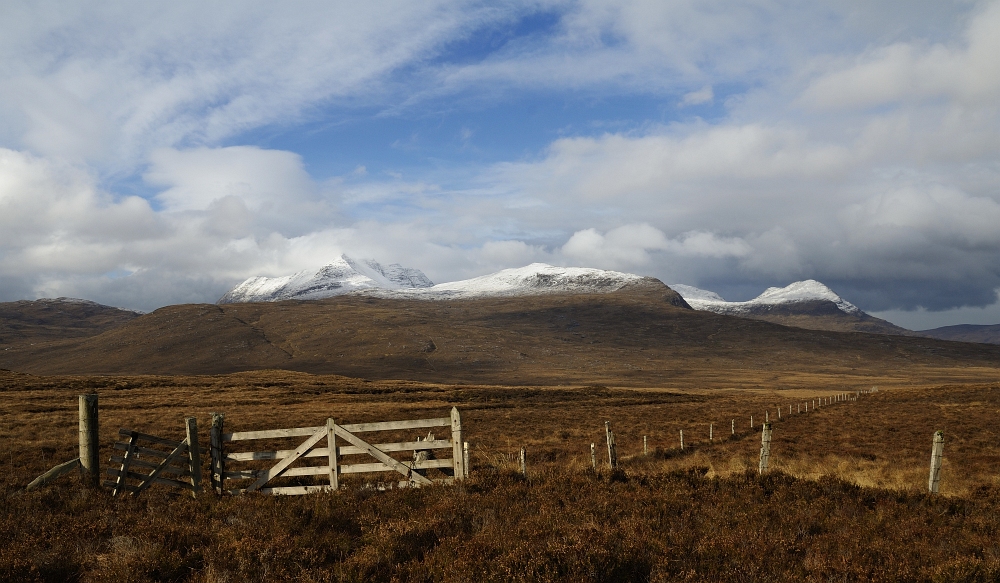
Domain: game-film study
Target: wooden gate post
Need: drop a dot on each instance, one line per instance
(765, 448)
(89, 441)
(194, 454)
(331, 454)
(937, 452)
(218, 456)
(457, 453)
(465, 458)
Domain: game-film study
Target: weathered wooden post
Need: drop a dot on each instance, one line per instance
(593, 456)
(465, 458)
(937, 452)
(798, 408)
(645, 450)
(89, 441)
(734, 426)
(612, 449)
(765, 448)
(215, 451)
(711, 438)
(767, 418)
(524, 463)
(458, 457)
(194, 454)
(751, 422)
(682, 440)
(779, 413)
(332, 454)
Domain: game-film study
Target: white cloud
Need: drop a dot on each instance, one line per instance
(703, 95)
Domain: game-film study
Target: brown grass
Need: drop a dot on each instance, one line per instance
(845, 501)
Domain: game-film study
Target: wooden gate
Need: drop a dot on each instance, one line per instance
(331, 457)
(145, 462)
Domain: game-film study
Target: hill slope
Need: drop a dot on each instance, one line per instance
(44, 320)
(988, 334)
(635, 336)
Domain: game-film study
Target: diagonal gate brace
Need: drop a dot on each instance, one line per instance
(281, 466)
(380, 455)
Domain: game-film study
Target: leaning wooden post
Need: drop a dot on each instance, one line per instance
(216, 452)
(456, 444)
(593, 456)
(194, 454)
(765, 448)
(524, 463)
(89, 461)
(612, 450)
(937, 452)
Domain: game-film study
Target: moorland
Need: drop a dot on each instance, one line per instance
(844, 498)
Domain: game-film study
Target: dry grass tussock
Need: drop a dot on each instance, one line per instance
(845, 500)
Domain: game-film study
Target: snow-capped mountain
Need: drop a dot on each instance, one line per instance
(799, 292)
(344, 275)
(803, 304)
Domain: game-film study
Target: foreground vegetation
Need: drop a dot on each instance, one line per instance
(500, 527)
(845, 501)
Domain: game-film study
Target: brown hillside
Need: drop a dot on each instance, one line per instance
(56, 319)
(989, 334)
(636, 337)
(824, 315)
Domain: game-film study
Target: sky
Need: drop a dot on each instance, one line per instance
(154, 154)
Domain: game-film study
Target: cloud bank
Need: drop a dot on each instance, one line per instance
(726, 145)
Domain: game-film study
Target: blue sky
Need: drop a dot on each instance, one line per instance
(152, 155)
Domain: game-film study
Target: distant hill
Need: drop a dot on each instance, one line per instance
(804, 304)
(45, 320)
(985, 334)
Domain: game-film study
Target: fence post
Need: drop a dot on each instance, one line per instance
(194, 454)
(612, 449)
(524, 463)
(751, 422)
(711, 437)
(465, 458)
(765, 448)
(767, 416)
(682, 440)
(215, 450)
(593, 456)
(645, 449)
(458, 457)
(89, 441)
(734, 426)
(937, 452)
(332, 454)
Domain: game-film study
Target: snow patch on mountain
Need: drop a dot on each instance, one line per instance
(801, 291)
(344, 275)
(534, 279)
(368, 277)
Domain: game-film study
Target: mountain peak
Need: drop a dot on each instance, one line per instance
(808, 290)
(340, 276)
